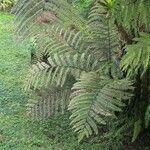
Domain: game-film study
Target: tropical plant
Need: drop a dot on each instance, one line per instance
(81, 57)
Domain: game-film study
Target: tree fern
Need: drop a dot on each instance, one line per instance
(80, 52)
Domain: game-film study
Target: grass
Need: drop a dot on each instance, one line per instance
(13, 63)
(17, 131)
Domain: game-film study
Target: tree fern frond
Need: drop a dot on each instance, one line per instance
(104, 36)
(133, 14)
(138, 55)
(79, 36)
(59, 40)
(27, 15)
(37, 71)
(59, 68)
(137, 129)
(97, 100)
(48, 102)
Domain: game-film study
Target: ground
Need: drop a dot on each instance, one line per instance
(17, 131)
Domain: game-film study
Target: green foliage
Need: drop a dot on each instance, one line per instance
(48, 103)
(82, 5)
(61, 66)
(137, 56)
(72, 56)
(132, 14)
(5, 4)
(83, 54)
(117, 131)
(147, 116)
(93, 98)
(71, 47)
(137, 129)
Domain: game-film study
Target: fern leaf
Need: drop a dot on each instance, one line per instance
(137, 129)
(96, 100)
(48, 102)
(137, 55)
(104, 36)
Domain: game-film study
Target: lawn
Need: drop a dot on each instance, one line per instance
(17, 131)
(13, 63)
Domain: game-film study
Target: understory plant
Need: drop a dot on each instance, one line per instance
(95, 67)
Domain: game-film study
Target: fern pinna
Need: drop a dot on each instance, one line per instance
(81, 57)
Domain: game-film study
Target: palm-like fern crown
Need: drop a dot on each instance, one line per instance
(73, 52)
